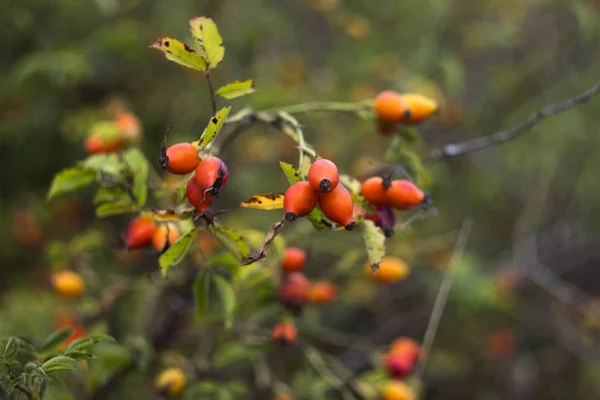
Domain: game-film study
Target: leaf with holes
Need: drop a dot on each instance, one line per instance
(374, 242)
(236, 89)
(207, 36)
(268, 201)
(177, 251)
(228, 299)
(180, 53)
(292, 174)
(69, 180)
(214, 127)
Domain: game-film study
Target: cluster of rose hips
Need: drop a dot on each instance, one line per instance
(394, 109)
(210, 176)
(322, 188)
(385, 194)
(144, 231)
(126, 129)
(400, 362)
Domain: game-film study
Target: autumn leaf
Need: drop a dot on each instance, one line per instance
(214, 127)
(236, 89)
(180, 53)
(269, 201)
(208, 38)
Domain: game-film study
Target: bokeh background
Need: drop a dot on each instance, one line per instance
(521, 322)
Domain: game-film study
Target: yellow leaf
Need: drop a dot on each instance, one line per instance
(180, 53)
(269, 201)
(236, 89)
(214, 126)
(207, 35)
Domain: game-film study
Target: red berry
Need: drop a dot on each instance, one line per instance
(323, 176)
(284, 333)
(212, 173)
(404, 195)
(374, 191)
(294, 289)
(322, 292)
(139, 232)
(293, 259)
(337, 206)
(299, 200)
(95, 143)
(180, 159)
(197, 195)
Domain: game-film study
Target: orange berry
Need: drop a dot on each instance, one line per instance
(293, 259)
(294, 289)
(95, 143)
(139, 232)
(390, 107)
(129, 126)
(407, 346)
(212, 173)
(283, 397)
(284, 333)
(164, 236)
(402, 357)
(391, 270)
(180, 159)
(197, 196)
(337, 206)
(419, 108)
(404, 195)
(171, 381)
(323, 176)
(299, 200)
(322, 292)
(374, 191)
(398, 390)
(68, 283)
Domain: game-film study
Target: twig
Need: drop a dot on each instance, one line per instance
(456, 149)
(325, 106)
(213, 99)
(440, 301)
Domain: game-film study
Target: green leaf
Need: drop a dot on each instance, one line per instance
(228, 299)
(109, 163)
(317, 218)
(422, 176)
(88, 241)
(202, 390)
(292, 174)
(177, 251)
(202, 291)
(207, 35)
(62, 362)
(79, 345)
(108, 209)
(232, 352)
(374, 242)
(11, 348)
(69, 180)
(138, 164)
(80, 355)
(180, 53)
(214, 127)
(107, 130)
(235, 237)
(54, 339)
(236, 89)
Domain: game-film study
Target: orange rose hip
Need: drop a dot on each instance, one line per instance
(299, 200)
(323, 175)
(337, 206)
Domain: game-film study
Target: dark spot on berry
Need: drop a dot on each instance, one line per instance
(325, 185)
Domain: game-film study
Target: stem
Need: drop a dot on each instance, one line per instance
(327, 106)
(213, 98)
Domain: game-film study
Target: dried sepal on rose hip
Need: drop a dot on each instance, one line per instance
(323, 176)
(299, 200)
(212, 174)
(180, 158)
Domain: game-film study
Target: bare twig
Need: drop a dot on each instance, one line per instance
(213, 98)
(440, 301)
(457, 149)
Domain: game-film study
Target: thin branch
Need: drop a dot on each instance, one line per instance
(213, 98)
(457, 149)
(440, 301)
(325, 106)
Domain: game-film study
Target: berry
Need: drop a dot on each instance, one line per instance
(129, 126)
(337, 206)
(180, 159)
(164, 236)
(322, 292)
(171, 381)
(96, 143)
(323, 176)
(399, 366)
(197, 195)
(404, 195)
(294, 290)
(390, 107)
(212, 173)
(419, 108)
(284, 333)
(299, 200)
(293, 259)
(407, 347)
(374, 191)
(391, 270)
(139, 232)
(397, 390)
(67, 283)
